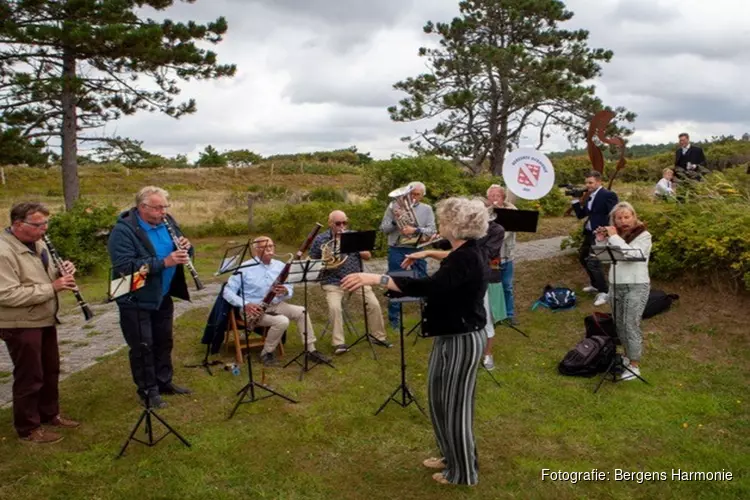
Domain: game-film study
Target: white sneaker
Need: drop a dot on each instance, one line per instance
(601, 299)
(630, 373)
(590, 289)
(488, 362)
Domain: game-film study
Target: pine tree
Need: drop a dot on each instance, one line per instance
(71, 65)
(501, 67)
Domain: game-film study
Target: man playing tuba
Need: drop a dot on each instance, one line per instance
(325, 246)
(404, 218)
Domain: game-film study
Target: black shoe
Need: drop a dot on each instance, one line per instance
(174, 389)
(268, 359)
(154, 401)
(320, 357)
(382, 343)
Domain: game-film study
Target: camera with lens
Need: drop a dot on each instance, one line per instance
(573, 191)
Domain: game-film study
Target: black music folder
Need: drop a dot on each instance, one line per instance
(355, 242)
(519, 221)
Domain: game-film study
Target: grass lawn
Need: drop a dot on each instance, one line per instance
(693, 416)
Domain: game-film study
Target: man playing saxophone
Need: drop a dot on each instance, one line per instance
(140, 238)
(325, 246)
(396, 223)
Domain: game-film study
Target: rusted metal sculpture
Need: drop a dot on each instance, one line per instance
(598, 128)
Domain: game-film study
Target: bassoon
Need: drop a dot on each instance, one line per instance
(283, 275)
(87, 313)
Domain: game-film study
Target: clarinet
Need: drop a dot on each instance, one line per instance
(87, 313)
(189, 265)
(283, 275)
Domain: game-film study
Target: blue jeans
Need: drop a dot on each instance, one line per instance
(506, 276)
(395, 258)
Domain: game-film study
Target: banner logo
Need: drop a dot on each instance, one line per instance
(528, 174)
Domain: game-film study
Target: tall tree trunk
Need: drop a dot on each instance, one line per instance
(71, 188)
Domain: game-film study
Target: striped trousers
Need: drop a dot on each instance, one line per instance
(451, 382)
(630, 300)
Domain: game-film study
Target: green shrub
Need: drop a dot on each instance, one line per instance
(218, 227)
(553, 204)
(327, 194)
(706, 236)
(292, 223)
(269, 192)
(441, 177)
(80, 235)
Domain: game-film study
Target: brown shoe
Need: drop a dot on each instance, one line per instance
(434, 463)
(41, 436)
(65, 423)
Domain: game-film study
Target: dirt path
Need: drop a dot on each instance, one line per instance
(84, 344)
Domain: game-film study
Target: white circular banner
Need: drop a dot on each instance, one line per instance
(528, 173)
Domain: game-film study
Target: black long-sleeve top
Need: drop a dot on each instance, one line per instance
(455, 293)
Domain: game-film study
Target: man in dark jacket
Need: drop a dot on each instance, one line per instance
(596, 204)
(140, 238)
(689, 160)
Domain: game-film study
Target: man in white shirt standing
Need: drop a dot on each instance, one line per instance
(254, 283)
(596, 204)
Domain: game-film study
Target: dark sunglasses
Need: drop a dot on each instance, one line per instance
(341, 222)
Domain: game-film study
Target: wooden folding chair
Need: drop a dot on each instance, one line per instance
(235, 325)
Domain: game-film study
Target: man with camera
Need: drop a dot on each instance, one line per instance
(596, 204)
(689, 160)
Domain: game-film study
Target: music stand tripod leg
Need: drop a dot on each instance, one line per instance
(407, 397)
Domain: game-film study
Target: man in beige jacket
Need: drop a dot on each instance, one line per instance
(29, 284)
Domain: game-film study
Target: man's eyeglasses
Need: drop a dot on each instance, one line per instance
(37, 224)
(341, 222)
(157, 207)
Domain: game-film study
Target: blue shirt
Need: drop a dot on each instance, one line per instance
(254, 282)
(163, 245)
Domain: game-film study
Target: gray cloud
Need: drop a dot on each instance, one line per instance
(319, 73)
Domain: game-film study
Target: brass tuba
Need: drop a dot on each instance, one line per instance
(401, 204)
(331, 255)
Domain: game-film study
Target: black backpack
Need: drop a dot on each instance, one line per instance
(601, 324)
(658, 302)
(590, 356)
(556, 298)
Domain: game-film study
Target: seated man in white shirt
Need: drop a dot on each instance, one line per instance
(254, 283)
(665, 187)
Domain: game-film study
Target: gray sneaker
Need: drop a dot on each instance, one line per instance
(340, 349)
(488, 362)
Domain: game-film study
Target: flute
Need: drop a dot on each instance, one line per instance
(189, 265)
(87, 313)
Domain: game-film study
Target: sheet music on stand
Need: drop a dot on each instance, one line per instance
(609, 253)
(127, 283)
(232, 260)
(305, 270)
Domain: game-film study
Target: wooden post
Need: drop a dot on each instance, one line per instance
(127, 172)
(2, 175)
(250, 202)
(272, 169)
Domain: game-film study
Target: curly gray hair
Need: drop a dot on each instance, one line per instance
(462, 218)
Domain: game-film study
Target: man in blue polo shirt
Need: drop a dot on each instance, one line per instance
(140, 238)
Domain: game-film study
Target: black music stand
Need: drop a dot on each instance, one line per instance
(407, 397)
(249, 388)
(613, 255)
(517, 221)
(305, 271)
(123, 286)
(353, 243)
(231, 262)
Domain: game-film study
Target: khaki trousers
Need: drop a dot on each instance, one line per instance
(279, 323)
(335, 296)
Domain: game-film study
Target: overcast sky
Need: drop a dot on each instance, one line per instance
(318, 74)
